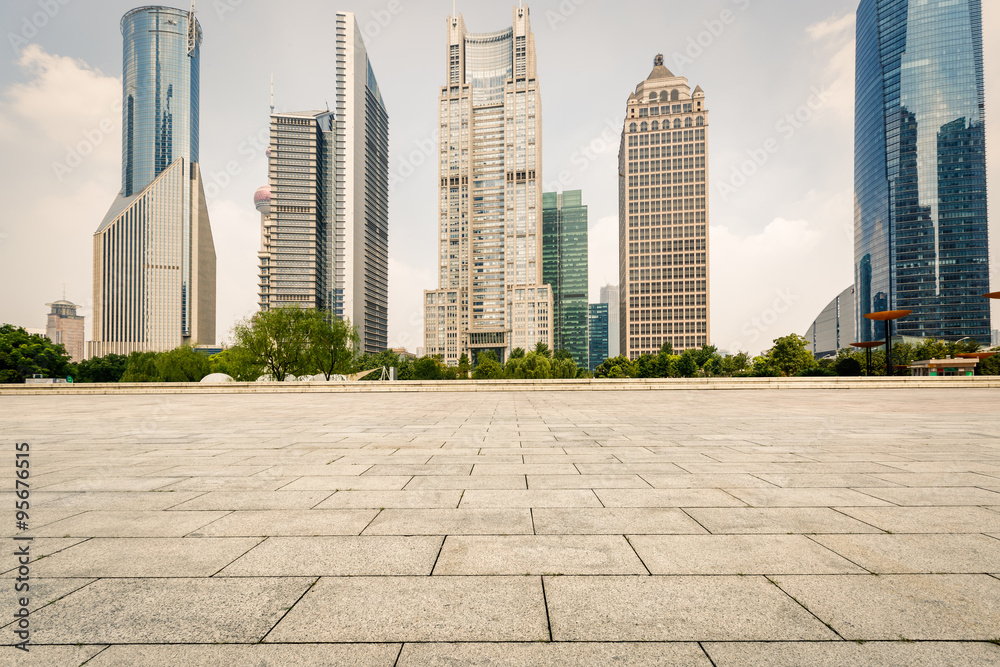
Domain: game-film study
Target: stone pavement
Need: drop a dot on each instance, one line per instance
(809, 527)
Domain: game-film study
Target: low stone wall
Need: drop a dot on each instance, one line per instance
(671, 384)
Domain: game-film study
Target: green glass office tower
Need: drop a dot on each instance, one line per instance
(564, 266)
(599, 319)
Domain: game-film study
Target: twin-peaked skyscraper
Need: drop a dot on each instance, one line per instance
(491, 295)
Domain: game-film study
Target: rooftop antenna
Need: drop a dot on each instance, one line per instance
(272, 93)
(327, 104)
(192, 31)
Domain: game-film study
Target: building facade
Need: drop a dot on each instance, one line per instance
(154, 256)
(360, 240)
(564, 268)
(609, 295)
(663, 217)
(921, 237)
(491, 295)
(835, 328)
(297, 213)
(598, 332)
(64, 327)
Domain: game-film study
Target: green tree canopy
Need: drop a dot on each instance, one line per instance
(332, 344)
(109, 368)
(23, 355)
(790, 355)
(277, 340)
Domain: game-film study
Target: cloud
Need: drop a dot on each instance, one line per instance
(62, 124)
(603, 260)
(406, 303)
(832, 26)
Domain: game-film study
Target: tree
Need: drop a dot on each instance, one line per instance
(790, 355)
(141, 367)
(536, 367)
(237, 364)
(23, 355)
(428, 368)
(333, 343)
(275, 339)
(183, 364)
(488, 367)
(562, 355)
(109, 368)
(542, 349)
(516, 353)
(463, 366)
(687, 365)
(618, 367)
(847, 367)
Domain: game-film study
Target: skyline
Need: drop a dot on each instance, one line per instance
(782, 243)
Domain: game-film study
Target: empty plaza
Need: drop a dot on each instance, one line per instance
(758, 527)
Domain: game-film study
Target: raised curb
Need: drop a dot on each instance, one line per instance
(673, 384)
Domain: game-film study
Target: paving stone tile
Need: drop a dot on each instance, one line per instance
(48, 656)
(112, 500)
(524, 469)
(203, 484)
(928, 519)
(690, 481)
(258, 655)
(554, 655)
(806, 497)
(349, 483)
(537, 554)
(337, 557)
(738, 554)
(418, 609)
(936, 479)
(915, 554)
(452, 522)
(129, 524)
(288, 523)
(914, 607)
(869, 654)
(168, 611)
(934, 497)
(257, 500)
(97, 483)
(417, 499)
(498, 482)
(614, 521)
(664, 468)
(667, 498)
(675, 608)
(781, 520)
(398, 470)
(146, 557)
(586, 482)
(477, 498)
(820, 480)
(43, 591)
(41, 547)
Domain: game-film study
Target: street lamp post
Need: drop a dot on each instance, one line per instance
(888, 316)
(868, 347)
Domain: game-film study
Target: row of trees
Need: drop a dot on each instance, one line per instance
(296, 342)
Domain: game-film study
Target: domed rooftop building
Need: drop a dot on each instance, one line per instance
(262, 199)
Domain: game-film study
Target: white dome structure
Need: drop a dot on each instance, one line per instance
(217, 378)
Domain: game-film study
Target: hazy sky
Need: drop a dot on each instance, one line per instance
(781, 238)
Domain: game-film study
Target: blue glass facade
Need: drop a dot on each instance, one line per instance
(921, 239)
(160, 94)
(598, 334)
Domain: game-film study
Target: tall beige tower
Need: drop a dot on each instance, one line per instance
(65, 327)
(663, 217)
(491, 295)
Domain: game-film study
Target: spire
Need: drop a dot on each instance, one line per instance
(272, 93)
(660, 70)
(192, 31)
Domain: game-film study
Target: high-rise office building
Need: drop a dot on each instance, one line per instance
(154, 256)
(834, 329)
(64, 327)
(360, 240)
(598, 330)
(920, 236)
(297, 211)
(491, 295)
(564, 267)
(663, 217)
(609, 295)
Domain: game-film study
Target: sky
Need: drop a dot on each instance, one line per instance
(779, 85)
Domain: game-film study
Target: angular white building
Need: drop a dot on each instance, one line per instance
(491, 295)
(154, 256)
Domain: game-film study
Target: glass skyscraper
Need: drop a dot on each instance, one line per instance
(921, 240)
(564, 267)
(597, 334)
(154, 256)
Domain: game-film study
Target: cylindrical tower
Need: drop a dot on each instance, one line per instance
(160, 74)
